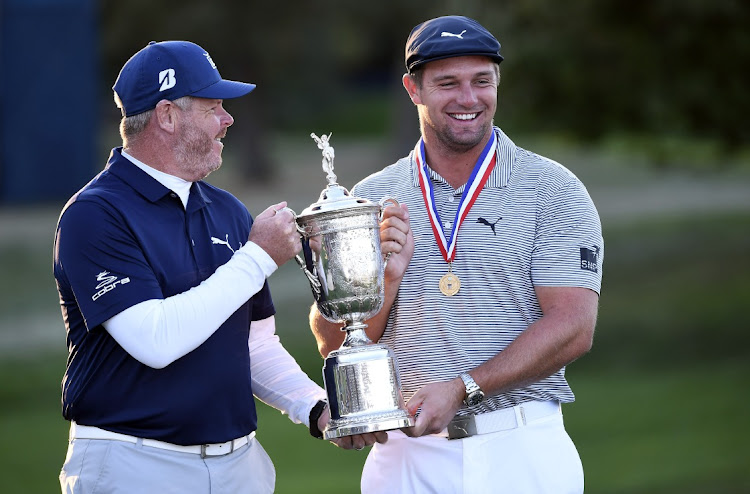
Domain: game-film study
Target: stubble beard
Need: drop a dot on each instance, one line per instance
(194, 153)
(452, 141)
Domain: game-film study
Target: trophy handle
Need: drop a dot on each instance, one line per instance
(385, 200)
(306, 265)
(382, 203)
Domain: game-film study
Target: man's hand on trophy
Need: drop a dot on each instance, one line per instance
(275, 231)
(396, 240)
(357, 441)
(437, 404)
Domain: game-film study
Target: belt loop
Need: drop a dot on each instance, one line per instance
(203, 451)
(520, 415)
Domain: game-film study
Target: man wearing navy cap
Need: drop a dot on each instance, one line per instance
(162, 284)
(491, 290)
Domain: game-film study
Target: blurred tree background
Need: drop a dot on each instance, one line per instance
(645, 73)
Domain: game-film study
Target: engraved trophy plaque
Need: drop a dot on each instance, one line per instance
(345, 269)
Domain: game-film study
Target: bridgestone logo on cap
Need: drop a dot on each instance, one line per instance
(167, 79)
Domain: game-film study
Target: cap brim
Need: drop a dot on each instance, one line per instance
(495, 57)
(224, 89)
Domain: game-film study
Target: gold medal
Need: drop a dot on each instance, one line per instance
(449, 284)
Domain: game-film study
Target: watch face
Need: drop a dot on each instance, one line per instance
(474, 399)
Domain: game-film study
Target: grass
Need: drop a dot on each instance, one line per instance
(677, 430)
(682, 430)
(676, 285)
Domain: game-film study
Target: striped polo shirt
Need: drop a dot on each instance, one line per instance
(533, 224)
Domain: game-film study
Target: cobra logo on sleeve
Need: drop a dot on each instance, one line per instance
(107, 283)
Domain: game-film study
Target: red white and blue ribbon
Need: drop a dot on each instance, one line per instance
(479, 175)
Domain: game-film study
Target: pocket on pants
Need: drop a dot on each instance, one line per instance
(538, 458)
(84, 462)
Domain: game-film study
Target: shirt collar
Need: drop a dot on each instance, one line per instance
(178, 185)
(148, 184)
(500, 175)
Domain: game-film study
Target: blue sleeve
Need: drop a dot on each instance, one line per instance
(102, 263)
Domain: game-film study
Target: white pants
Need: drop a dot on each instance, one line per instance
(536, 458)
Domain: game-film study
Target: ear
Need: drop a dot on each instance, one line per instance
(411, 88)
(166, 115)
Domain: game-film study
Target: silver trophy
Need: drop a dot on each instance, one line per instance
(344, 265)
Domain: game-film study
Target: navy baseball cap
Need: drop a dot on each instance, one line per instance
(170, 70)
(449, 36)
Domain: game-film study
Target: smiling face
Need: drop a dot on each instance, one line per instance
(456, 101)
(198, 148)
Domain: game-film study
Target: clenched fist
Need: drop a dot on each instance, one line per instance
(275, 231)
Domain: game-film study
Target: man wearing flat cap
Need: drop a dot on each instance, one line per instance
(491, 290)
(169, 317)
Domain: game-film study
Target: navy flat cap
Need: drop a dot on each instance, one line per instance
(449, 36)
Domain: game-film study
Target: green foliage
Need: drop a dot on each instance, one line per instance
(676, 70)
(662, 67)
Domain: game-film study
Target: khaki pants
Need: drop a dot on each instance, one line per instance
(108, 466)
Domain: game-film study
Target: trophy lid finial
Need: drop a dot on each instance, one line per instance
(328, 155)
(334, 198)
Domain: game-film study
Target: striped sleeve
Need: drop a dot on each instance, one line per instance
(568, 249)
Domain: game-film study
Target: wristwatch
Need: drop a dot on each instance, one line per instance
(474, 394)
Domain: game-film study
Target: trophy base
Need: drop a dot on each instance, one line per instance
(363, 390)
(370, 423)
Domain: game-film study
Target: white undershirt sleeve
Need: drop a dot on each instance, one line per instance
(158, 332)
(277, 378)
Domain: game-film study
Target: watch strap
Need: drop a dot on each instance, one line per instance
(469, 382)
(472, 390)
(315, 414)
